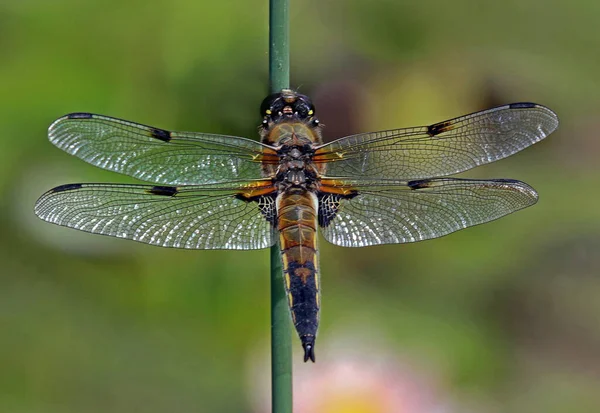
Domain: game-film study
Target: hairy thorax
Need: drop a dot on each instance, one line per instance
(295, 142)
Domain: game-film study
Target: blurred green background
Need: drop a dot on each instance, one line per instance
(503, 317)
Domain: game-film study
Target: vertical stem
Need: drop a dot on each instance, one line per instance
(281, 331)
(279, 45)
(281, 340)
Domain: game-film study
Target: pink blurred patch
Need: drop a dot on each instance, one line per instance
(362, 386)
(354, 381)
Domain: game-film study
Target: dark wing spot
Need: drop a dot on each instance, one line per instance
(419, 184)
(66, 187)
(160, 134)
(79, 115)
(522, 105)
(266, 205)
(506, 181)
(329, 204)
(163, 190)
(243, 197)
(441, 127)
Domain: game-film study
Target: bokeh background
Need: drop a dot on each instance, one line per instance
(503, 317)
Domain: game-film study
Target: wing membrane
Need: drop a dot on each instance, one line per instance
(157, 155)
(441, 149)
(397, 212)
(193, 217)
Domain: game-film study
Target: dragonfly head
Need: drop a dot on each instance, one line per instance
(287, 104)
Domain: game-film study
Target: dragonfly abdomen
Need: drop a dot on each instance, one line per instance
(297, 225)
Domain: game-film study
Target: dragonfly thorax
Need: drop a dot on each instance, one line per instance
(296, 168)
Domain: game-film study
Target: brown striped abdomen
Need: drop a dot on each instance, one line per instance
(297, 225)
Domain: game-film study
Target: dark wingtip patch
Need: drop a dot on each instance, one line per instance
(308, 344)
(160, 134)
(419, 184)
(507, 181)
(522, 105)
(79, 115)
(163, 190)
(436, 129)
(66, 187)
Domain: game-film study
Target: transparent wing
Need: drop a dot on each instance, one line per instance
(441, 149)
(157, 155)
(397, 212)
(200, 217)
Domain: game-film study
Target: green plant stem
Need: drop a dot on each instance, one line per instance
(281, 340)
(279, 45)
(281, 329)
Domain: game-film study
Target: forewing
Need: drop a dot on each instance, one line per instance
(157, 155)
(441, 149)
(193, 217)
(362, 214)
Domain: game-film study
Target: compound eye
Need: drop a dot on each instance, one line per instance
(268, 103)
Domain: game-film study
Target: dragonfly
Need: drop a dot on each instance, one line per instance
(213, 191)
